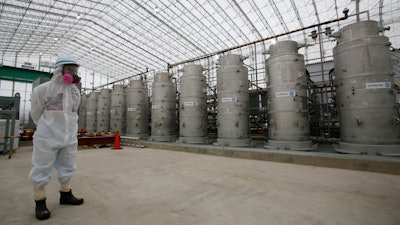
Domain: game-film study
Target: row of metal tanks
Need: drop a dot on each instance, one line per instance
(365, 96)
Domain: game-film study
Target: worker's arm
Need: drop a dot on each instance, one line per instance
(37, 103)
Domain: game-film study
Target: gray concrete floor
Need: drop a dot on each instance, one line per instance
(149, 186)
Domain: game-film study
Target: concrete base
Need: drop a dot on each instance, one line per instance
(233, 142)
(170, 138)
(192, 140)
(364, 149)
(380, 164)
(140, 136)
(289, 145)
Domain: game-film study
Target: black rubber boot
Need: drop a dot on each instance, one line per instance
(41, 211)
(67, 198)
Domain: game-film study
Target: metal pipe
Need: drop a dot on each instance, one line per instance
(358, 10)
(93, 81)
(345, 11)
(103, 85)
(357, 14)
(324, 93)
(255, 61)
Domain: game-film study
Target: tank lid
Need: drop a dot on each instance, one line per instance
(283, 47)
(232, 59)
(358, 30)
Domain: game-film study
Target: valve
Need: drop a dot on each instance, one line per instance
(346, 13)
(382, 28)
(396, 121)
(313, 34)
(358, 121)
(328, 31)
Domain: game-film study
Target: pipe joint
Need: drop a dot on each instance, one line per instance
(358, 121)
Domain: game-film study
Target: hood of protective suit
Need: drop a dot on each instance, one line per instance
(54, 110)
(57, 75)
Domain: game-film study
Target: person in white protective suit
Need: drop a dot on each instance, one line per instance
(54, 111)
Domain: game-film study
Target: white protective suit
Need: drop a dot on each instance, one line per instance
(54, 111)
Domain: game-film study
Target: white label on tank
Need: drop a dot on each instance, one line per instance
(231, 99)
(89, 113)
(377, 85)
(190, 104)
(155, 106)
(131, 109)
(285, 94)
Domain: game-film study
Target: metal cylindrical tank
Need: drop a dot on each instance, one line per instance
(117, 111)
(163, 108)
(287, 98)
(82, 112)
(193, 105)
(103, 110)
(137, 110)
(233, 102)
(369, 122)
(91, 112)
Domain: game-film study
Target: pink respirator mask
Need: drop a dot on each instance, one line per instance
(71, 79)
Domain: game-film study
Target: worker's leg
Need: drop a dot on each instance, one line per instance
(43, 159)
(66, 166)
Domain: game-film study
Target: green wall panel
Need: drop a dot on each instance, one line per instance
(20, 75)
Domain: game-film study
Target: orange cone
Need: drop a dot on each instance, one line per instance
(117, 144)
